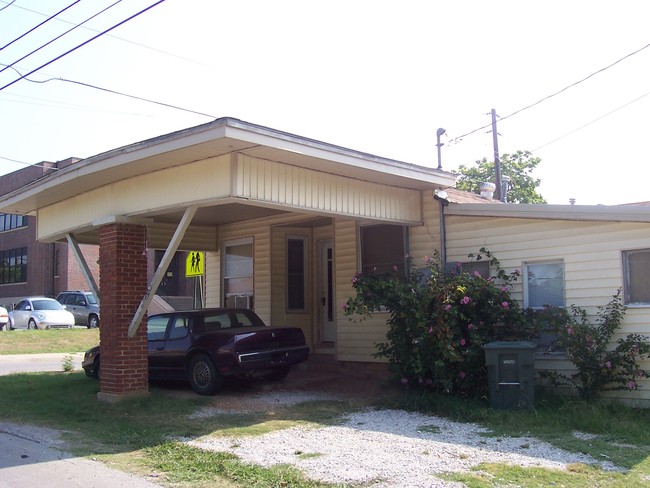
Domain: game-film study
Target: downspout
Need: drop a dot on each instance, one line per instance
(441, 196)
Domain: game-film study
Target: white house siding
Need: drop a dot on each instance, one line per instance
(282, 184)
(212, 279)
(179, 186)
(592, 256)
(424, 239)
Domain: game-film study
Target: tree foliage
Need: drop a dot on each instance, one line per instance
(518, 166)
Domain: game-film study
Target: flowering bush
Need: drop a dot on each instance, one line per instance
(439, 322)
(589, 346)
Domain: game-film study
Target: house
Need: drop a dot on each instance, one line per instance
(285, 222)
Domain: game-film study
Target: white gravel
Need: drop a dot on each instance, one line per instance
(389, 448)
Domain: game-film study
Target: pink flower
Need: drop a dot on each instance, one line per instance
(608, 365)
(505, 304)
(461, 374)
(345, 306)
(470, 326)
(405, 380)
(464, 300)
(631, 385)
(447, 307)
(394, 268)
(462, 342)
(477, 274)
(569, 331)
(504, 288)
(427, 259)
(430, 330)
(355, 278)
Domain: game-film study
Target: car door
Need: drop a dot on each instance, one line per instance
(156, 329)
(69, 301)
(177, 343)
(20, 314)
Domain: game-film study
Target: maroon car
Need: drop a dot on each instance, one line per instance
(207, 345)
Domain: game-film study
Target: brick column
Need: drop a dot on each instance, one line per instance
(123, 283)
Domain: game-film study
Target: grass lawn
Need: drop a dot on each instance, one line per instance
(139, 435)
(44, 341)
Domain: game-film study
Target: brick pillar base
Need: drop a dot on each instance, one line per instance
(123, 283)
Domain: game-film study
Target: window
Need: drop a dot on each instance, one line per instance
(156, 327)
(10, 221)
(238, 273)
(179, 328)
(544, 284)
(296, 267)
(470, 267)
(383, 248)
(636, 269)
(13, 266)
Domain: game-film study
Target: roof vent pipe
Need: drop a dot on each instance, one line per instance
(439, 132)
(486, 189)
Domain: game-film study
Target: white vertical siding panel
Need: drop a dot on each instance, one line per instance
(425, 239)
(302, 188)
(212, 279)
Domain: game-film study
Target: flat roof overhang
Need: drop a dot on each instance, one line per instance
(219, 137)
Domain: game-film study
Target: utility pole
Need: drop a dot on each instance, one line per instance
(497, 164)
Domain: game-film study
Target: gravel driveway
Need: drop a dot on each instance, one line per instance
(380, 448)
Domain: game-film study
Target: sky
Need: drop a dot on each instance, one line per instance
(569, 80)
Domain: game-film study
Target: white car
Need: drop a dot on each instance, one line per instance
(4, 319)
(39, 313)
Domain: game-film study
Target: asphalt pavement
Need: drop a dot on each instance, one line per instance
(32, 457)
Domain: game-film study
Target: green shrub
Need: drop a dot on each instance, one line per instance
(438, 322)
(601, 364)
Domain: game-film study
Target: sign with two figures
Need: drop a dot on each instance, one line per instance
(195, 264)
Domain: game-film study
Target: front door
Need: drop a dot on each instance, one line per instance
(327, 312)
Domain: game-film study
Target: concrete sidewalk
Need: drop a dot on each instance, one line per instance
(30, 459)
(33, 363)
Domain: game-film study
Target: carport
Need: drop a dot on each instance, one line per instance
(174, 192)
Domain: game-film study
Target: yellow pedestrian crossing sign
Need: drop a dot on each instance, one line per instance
(195, 264)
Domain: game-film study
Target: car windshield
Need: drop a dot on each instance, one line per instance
(46, 305)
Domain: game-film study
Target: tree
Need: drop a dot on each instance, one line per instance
(518, 166)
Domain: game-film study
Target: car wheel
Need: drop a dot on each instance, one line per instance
(93, 322)
(32, 324)
(278, 374)
(203, 376)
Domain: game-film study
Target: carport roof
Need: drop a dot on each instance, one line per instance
(221, 136)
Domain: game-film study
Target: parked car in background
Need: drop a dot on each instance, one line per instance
(83, 305)
(4, 319)
(39, 313)
(206, 346)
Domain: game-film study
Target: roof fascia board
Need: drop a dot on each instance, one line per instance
(622, 213)
(310, 147)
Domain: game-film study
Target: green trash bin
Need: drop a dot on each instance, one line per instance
(511, 374)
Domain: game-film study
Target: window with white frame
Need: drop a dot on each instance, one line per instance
(544, 284)
(383, 248)
(296, 272)
(238, 273)
(636, 268)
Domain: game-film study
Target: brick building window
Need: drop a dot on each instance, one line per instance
(11, 221)
(13, 266)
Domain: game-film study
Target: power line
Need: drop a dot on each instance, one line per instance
(7, 6)
(83, 43)
(108, 90)
(592, 121)
(39, 25)
(459, 138)
(59, 36)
